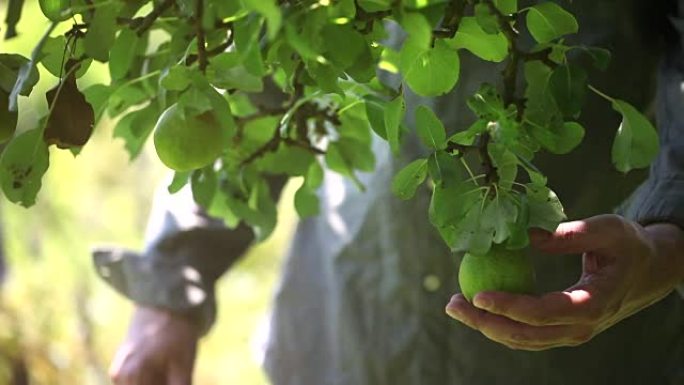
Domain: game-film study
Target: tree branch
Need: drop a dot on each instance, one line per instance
(151, 17)
(201, 41)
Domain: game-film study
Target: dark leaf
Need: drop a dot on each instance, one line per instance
(568, 85)
(71, 118)
(8, 119)
(102, 32)
(13, 16)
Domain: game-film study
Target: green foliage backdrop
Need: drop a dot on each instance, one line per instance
(234, 92)
(54, 312)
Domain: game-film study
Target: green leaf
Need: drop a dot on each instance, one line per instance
(11, 65)
(430, 72)
(293, 161)
(548, 21)
(500, 214)
(375, 111)
(541, 109)
(180, 179)
(443, 168)
(600, 56)
(473, 233)
(394, 114)
(270, 10)
(487, 103)
(123, 52)
(27, 75)
(506, 7)
(135, 127)
(506, 164)
(55, 56)
(22, 166)
(247, 32)
(194, 100)
(221, 208)
(226, 71)
(306, 202)
(519, 237)
(102, 31)
(429, 128)
(418, 29)
(486, 19)
(558, 140)
(359, 154)
(445, 209)
(177, 78)
(98, 96)
(467, 136)
(407, 180)
(346, 155)
(314, 176)
(471, 36)
(326, 76)
(636, 142)
(568, 85)
(204, 185)
(343, 44)
(545, 209)
(125, 96)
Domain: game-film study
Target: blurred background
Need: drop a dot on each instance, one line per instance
(59, 324)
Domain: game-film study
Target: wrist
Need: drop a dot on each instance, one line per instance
(668, 244)
(161, 316)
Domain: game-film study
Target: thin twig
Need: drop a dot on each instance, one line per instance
(151, 17)
(201, 40)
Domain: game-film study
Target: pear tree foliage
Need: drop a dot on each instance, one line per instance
(296, 89)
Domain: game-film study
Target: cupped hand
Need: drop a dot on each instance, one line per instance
(626, 268)
(159, 350)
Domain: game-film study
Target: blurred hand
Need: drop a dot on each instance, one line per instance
(159, 350)
(626, 267)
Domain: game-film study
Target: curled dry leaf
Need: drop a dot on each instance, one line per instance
(71, 118)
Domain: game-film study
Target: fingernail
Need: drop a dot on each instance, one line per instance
(452, 308)
(482, 302)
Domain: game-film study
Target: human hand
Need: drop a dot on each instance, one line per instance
(159, 350)
(626, 267)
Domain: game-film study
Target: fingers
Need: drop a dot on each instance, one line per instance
(514, 334)
(592, 234)
(557, 308)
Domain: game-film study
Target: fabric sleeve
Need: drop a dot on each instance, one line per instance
(661, 197)
(186, 252)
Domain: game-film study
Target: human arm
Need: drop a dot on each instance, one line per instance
(172, 284)
(626, 267)
(632, 277)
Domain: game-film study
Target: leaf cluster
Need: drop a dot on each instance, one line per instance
(296, 89)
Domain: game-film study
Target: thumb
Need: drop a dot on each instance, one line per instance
(591, 234)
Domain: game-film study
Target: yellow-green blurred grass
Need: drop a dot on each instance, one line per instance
(62, 319)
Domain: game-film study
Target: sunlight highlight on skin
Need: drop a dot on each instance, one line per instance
(578, 297)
